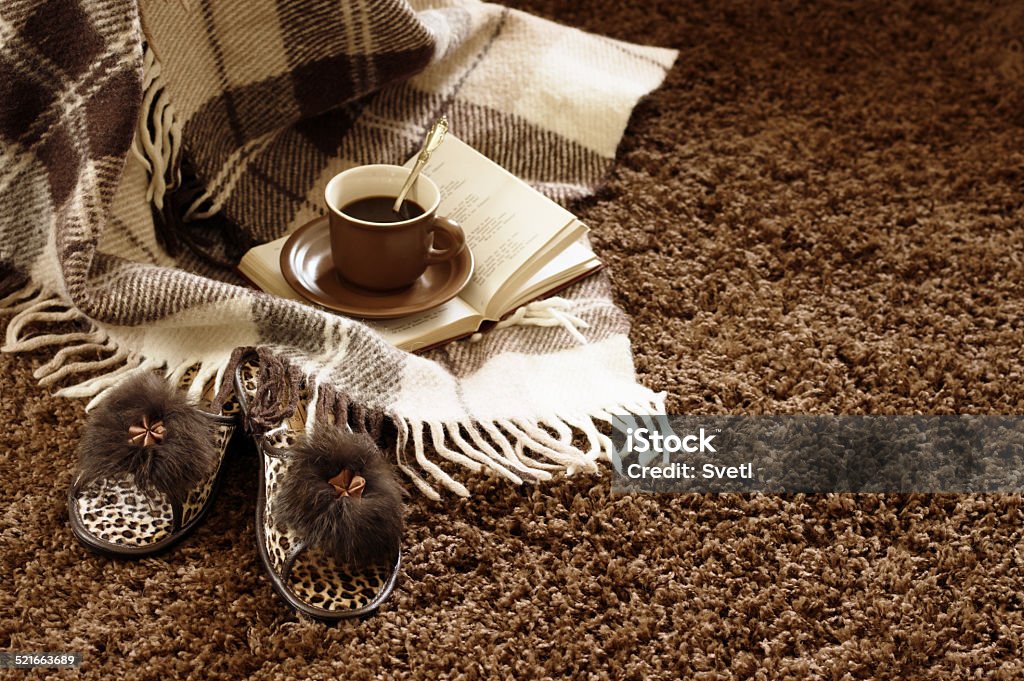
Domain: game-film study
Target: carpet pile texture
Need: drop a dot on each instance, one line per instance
(822, 211)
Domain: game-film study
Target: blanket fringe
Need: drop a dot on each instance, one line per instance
(519, 450)
(184, 210)
(33, 309)
(86, 349)
(429, 452)
(35, 305)
(157, 142)
(20, 298)
(194, 374)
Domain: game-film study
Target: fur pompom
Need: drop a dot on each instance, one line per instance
(341, 495)
(147, 428)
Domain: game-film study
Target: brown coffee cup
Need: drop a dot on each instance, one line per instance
(377, 254)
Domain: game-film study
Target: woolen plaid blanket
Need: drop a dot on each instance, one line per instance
(144, 147)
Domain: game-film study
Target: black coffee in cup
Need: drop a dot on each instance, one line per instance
(380, 209)
(371, 246)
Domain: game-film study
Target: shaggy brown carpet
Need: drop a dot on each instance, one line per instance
(822, 211)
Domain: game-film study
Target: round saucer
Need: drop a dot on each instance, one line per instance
(308, 268)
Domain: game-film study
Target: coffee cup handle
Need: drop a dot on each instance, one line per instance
(456, 238)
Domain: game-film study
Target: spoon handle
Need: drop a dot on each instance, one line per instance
(408, 183)
(434, 138)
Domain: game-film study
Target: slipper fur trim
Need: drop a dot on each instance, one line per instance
(179, 459)
(357, 530)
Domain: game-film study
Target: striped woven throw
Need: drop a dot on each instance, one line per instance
(145, 146)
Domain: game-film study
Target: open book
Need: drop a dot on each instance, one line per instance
(525, 246)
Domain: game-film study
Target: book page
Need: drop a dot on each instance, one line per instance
(529, 271)
(570, 264)
(506, 221)
(416, 331)
(262, 266)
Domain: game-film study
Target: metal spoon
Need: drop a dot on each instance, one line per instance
(434, 138)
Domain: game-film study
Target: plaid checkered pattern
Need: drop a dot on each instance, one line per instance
(225, 119)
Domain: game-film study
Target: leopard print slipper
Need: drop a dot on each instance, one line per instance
(150, 463)
(328, 512)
